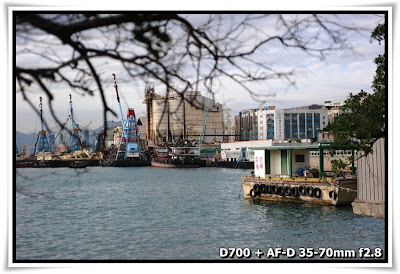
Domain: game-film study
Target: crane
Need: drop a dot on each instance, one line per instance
(205, 112)
(75, 142)
(129, 145)
(41, 144)
(62, 127)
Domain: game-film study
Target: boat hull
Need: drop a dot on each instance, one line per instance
(171, 165)
(338, 192)
(130, 163)
(65, 163)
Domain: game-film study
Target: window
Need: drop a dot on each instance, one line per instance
(299, 158)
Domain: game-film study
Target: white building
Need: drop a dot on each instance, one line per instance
(294, 123)
(241, 150)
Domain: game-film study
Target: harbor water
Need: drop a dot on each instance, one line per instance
(147, 213)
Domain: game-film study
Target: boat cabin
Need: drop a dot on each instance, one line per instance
(282, 160)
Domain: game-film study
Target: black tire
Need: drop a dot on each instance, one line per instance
(262, 188)
(310, 191)
(302, 190)
(256, 188)
(274, 189)
(268, 189)
(252, 193)
(281, 191)
(295, 192)
(287, 190)
(333, 195)
(317, 193)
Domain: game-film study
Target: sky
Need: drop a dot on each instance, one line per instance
(332, 79)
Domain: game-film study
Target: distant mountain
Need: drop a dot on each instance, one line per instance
(110, 124)
(28, 139)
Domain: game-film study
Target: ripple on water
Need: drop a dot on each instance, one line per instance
(156, 213)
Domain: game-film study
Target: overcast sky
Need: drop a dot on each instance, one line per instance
(316, 81)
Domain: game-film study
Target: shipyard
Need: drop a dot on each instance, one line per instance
(174, 138)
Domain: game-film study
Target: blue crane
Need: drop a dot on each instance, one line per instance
(75, 142)
(129, 145)
(42, 143)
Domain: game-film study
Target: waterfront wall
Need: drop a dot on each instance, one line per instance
(371, 182)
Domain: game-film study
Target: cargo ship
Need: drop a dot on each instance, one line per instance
(176, 157)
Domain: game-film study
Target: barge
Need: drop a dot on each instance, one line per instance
(301, 190)
(176, 157)
(281, 174)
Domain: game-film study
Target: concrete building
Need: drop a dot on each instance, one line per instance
(228, 132)
(281, 124)
(180, 116)
(334, 110)
(247, 125)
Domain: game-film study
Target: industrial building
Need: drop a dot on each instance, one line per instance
(177, 117)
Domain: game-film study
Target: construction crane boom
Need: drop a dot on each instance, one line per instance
(41, 144)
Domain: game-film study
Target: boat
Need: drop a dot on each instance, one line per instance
(280, 174)
(176, 157)
(78, 164)
(131, 148)
(24, 163)
(84, 157)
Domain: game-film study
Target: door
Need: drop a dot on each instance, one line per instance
(267, 162)
(284, 170)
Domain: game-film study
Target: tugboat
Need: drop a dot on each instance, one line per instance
(176, 157)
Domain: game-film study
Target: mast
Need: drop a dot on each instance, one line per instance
(75, 141)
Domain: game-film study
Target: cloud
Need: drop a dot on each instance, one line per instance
(316, 80)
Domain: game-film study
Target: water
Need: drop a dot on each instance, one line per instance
(150, 213)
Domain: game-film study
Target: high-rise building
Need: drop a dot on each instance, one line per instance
(227, 125)
(280, 124)
(247, 125)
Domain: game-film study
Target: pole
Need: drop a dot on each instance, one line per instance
(290, 164)
(321, 162)
(41, 114)
(41, 120)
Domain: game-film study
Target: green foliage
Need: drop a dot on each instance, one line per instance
(337, 166)
(363, 121)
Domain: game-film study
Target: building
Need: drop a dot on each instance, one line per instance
(241, 150)
(281, 124)
(334, 110)
(179, 117)
(247, 125)
(228, 132)
(268, 128)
